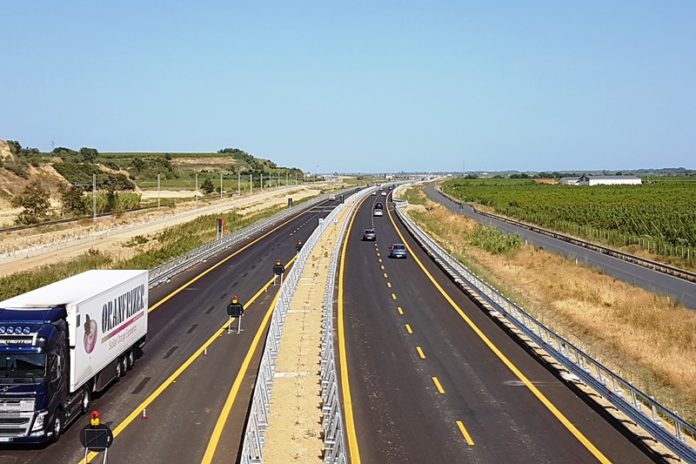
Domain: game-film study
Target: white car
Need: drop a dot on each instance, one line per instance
(378, 212)
(374, 194)
(384, 194)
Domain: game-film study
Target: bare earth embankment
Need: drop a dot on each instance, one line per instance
(23, 250)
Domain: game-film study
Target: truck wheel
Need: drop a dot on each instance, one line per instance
(119, 371)
(124, 365)
(130, 360)
(85, 399)
(57, 425)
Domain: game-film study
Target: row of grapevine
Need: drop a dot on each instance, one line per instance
(659, 217)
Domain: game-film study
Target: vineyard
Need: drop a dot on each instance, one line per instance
(659, 217)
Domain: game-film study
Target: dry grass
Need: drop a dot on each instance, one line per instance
(647, 338)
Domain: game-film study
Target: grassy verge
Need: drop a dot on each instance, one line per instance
(647, 338)
(152, 252)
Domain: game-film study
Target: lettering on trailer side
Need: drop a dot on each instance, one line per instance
(122, 308)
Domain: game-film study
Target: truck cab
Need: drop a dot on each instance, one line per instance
(34, 367)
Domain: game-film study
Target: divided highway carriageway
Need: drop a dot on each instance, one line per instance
(429, 378)
(166, 408)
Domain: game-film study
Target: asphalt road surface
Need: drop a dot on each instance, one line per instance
(181, 419)
(427, 388)
(684, 291)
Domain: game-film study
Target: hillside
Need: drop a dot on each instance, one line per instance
(69, 170)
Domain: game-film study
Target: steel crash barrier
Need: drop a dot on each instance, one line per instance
(332, 416)
(166, 271)
(664, 425)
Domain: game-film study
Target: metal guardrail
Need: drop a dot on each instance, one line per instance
(332, 420)
(655, 266)
(166, 271)
(664, 425)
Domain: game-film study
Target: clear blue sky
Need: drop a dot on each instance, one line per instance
(359, 86)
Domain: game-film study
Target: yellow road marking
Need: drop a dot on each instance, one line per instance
(438, 385)
(381, 266)
(420, 352)
(389, 284)
(401, 311)
(515, 370)
(172, 378)
(409, 329)
(353, 448)
(214, 266)
(380, 260)
(465, 433)
(393, 296)
(229, 402)
(385, 275)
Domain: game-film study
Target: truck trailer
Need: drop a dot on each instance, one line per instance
(61, 343)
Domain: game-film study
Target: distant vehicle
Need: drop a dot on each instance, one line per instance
(62, 342)
(384, 194)
(397, 250)
(379, 205)
(332, 197)
(378, 213)
(374, 194)
(369, 235)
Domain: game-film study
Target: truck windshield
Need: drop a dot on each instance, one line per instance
(22, 366)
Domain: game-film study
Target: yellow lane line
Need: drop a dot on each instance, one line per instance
(353, 448)
(214, 266)
(380, 260)
(420, 352)
(465, 433)
(515, 370)
(385, 275)
(172, 378)
(389, 284)
(438, 385)
(409, 329)
(232, 396)
(394, 296)
(401, 311)
(381, 266)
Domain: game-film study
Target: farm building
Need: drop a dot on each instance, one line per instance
(609, 180)
(569, 180)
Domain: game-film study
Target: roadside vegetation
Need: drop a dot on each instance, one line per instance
(647, 338)
(146, 253)
(658, 217)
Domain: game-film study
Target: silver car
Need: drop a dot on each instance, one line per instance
(397, 250)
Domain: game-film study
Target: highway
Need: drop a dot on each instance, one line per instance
(630, 273)
(432, 379)
(191, 367)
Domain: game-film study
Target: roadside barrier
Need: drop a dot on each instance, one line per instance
(664, 425)
(332, 420)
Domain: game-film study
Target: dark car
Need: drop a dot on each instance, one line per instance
(397, 250)
(379, 205)
(369, 235)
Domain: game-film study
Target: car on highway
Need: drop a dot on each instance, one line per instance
(369, 235)
(374, 194)
(332, 197)
(397, 250)
(384, 194)
(378, 213)
(379, 205)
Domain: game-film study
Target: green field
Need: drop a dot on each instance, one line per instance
(659, 216)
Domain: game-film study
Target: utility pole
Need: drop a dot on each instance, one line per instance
(251, 184)
(239, 184)
(158, 191)
(221, 186)
(94, 197)
(286, 178)
(261, 177)
(195, 195)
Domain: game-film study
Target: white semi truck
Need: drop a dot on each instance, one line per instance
(61, 343)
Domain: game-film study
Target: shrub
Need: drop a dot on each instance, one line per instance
(494, 241)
